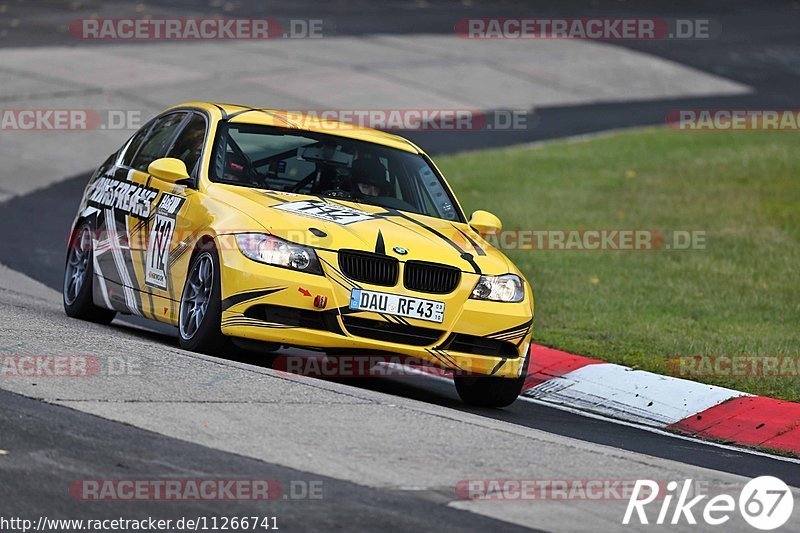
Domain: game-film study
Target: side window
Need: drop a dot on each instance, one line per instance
(189, 144)
(135, 143)
(157, 141)
(434, 195)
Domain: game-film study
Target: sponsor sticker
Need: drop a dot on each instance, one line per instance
(158, 245)
(338, 214)
(130, 198)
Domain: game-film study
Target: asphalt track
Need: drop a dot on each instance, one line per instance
(96, 448)
(53, 445)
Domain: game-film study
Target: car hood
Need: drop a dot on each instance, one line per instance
(339, 224)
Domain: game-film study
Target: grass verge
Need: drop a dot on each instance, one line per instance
(739, 295)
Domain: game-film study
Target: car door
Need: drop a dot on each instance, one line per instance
(176, 219)
(125, 200)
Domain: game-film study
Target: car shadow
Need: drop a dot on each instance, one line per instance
(413, 386)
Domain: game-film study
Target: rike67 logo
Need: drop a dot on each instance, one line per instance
(766, 503)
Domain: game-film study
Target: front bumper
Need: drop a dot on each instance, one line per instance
(276, 305)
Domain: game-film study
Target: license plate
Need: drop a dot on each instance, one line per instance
(394, 304)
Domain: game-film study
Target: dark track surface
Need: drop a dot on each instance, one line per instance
(52, 447)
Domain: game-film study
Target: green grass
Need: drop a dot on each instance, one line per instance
(738, 296)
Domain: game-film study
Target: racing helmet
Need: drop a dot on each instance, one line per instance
(369, 171)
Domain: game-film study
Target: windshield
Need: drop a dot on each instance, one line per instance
(326, 165)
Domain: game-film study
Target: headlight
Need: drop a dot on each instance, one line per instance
(505, 288)
(274, 251)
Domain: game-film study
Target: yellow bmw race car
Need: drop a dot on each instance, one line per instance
(234, 222)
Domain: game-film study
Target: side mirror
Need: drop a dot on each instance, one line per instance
(485, 223)
(168, 169)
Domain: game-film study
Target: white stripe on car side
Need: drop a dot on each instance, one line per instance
(119, 261)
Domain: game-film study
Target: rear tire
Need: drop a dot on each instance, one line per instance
(487, 391)
(78, 291)
(200, 315)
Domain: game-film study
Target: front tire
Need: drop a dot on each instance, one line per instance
(79, 279)
(487, 391)
(200, 315)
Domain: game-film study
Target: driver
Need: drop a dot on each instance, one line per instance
(369, 177)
